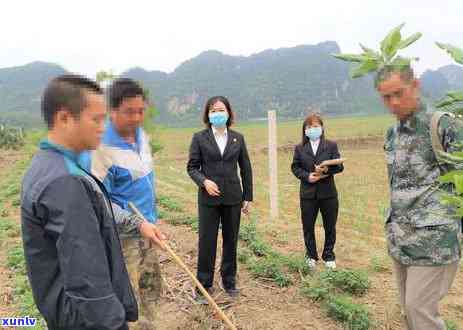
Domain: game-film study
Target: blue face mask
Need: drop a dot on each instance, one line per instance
(218, 119)
(313, 133)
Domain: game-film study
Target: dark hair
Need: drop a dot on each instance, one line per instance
(405, 71)
(309, 120)
(124, 88)
(210, 103)
(66, 92)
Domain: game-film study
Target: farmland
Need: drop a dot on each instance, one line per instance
(277, 290)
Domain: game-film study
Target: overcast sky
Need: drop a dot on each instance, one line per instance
(86, 36)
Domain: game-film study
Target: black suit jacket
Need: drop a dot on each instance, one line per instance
(304, 162)
(206, 162)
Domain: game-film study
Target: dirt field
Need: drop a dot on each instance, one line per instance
(262, 304)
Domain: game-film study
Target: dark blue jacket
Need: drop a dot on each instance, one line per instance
(72, 250)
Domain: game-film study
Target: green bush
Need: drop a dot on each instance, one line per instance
(354, 316)
(451, 325)
(296, 264)
(11, 138)
(313, 290)
(349, 281)
(169, 204)
(244, 255)
(271, 269)
(248, 231)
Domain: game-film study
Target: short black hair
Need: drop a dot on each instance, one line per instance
(68, 92)
(405, 71)
(123, 88)
(213, 100)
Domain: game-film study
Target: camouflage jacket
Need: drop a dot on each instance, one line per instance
(420, 230)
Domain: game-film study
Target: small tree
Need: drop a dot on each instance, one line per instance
(371, 60)
(453, 103)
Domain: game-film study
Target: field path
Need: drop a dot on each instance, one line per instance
(261, 305)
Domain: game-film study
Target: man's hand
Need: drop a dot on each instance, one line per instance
(211, 187)
(245, 208)
(152, 232)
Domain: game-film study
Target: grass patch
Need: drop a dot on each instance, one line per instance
(244, 255)
(22, 291)
(380, 264)
(169, 204)
(269, 268)
(451, 325)
(15, 259)
(9, 194)
(330, 289)
(296, 264)
(352, 315)
(354, 282)
(8, 228)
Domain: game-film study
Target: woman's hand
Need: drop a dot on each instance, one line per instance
(314, 177)
(211, 187)
(245, 208)
(321, 169)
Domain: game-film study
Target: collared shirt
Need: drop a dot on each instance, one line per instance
(315, 145)
(221, 139)
(420, 229)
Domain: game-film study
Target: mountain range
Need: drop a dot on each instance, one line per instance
(293, 81)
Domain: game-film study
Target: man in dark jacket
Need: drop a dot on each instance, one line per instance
(71, 246)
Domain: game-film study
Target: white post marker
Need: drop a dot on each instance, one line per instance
(272, 161)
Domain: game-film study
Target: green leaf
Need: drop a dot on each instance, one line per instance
(456, 95)
(364, 68)
(389, 45)
(450, 176)
(350, 57)
(401, 62)
(367, 50)
(455, 52)
(454, 158)
(407, 42)
(444, 103)
(458, 181)
(370, 53)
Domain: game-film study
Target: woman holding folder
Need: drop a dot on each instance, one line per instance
(316, 161)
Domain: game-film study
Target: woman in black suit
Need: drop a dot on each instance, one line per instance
(215, 154)
(317, 189)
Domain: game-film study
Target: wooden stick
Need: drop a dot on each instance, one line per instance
(191, 275)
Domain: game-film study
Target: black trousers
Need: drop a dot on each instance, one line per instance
(209, 219)
(329, 210)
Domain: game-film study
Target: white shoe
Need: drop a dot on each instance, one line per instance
(330, 265)
(311, 263)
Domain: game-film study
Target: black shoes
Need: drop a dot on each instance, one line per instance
(232, 291)
(200, 298)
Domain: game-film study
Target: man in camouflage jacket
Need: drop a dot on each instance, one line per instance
(423, 235)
